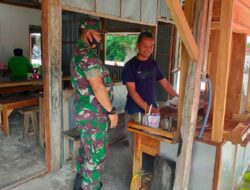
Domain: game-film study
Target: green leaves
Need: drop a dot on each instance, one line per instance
(119, 47)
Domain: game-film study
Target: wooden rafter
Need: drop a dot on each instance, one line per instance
(183, 28)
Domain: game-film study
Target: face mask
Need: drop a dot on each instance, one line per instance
(93, 43)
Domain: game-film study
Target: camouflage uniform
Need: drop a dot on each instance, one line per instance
(90, 116)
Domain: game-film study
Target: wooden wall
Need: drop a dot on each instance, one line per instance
(229, 28)
(241, 15)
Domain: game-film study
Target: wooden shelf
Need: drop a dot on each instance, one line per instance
(155, 133)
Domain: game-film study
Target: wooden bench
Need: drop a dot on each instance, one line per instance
(9, 104)
(74, 136)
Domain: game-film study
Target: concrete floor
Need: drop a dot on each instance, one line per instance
(116, 175)
(21, 159)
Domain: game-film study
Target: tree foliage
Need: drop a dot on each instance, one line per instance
(119, 47)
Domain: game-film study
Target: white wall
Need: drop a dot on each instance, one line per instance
(14, 29)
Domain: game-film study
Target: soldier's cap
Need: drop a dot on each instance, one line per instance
(91, 24)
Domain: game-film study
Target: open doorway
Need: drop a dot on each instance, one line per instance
(35, 36)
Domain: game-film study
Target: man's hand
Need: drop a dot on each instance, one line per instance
(155, 110)
(113, 120)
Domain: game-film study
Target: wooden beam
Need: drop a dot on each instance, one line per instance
(234, 90)
(244, 2)
(51, 14)
(183, 28)
(216, 10)
(241, 15)
(212, 64)
(191, 98)
(237, 28)
(215, 26)
(184, 63)
(221, 81)
(217, 166)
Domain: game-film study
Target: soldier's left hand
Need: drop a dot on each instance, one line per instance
(113, 120)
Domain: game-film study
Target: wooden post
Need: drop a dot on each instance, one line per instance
(137, 161)
(221, 81)
(51, 31)
(184, 64)
(202, 11)
(234, 90)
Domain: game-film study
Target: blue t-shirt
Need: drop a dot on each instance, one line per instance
(144, 74)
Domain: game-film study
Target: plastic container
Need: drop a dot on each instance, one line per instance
(152, 120)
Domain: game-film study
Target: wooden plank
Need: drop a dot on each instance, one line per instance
(183, 28)
(212, 65)
(215, 26)
(241, 17)
(20, 83)
(239, 134)
(66, 97)
(222, 73)
(154, 131)
(234, 90)
(184, 63)
(11, 90)
(217, 167)
(41, 122)
(237, 28)
(216, 10)
(150, 145)
(191, 97)
(244, 2)
(241, 117)
(246, 141)
(143, 143)
(159, 138)
(52, 47)
(137, 161)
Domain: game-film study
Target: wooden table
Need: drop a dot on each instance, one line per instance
(147, 140)
(9, 104)
(10, 87)
(8, 83)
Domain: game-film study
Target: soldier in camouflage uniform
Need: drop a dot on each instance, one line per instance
(93, 106)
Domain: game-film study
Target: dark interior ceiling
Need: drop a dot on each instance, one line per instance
(36, 4)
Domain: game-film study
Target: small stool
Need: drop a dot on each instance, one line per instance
(30, 113)
(74, 135)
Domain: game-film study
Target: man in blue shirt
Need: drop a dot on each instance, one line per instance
(140, 75)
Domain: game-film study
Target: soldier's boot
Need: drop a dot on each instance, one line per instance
(78, 182)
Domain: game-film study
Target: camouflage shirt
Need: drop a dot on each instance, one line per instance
(86, 64)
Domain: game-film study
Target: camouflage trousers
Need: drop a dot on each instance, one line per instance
(92, 153)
